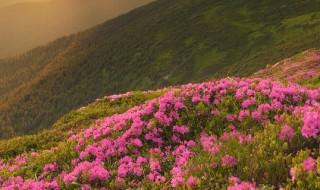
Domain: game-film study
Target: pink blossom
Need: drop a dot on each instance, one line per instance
(50, 167)
(215, 112)
(234, 180)
(95, 171)
(209, 143)
(245, 104)
(242, 186)
(243, 114)
(85, 187)
(192, 182)
(311, 126)
(228, 161)
(286, 133)
(180, 129)
(230, 117)
(293, 174)
(309, 164)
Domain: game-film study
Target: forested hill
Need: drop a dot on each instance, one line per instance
(166, 42)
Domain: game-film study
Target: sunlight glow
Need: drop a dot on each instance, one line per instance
(5, 3)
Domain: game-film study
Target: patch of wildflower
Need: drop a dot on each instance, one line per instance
(153, 142)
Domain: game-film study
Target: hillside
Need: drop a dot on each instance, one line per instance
(233, 133)
(75, 121)
(170, 42)
(20, 21)
(303, 68)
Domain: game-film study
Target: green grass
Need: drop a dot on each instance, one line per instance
(311, 83)
(213, 57)
(75, 121)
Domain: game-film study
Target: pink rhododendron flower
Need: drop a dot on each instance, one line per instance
(237, 184)
(209, 143)
(193, 182)
(85, 187)
(228, 161)
(311, 126)
(50, 167)
(243, 114)
(245, 104)
(231, 117)
(242, 186)
(293, 174)
(286, 133)
(180, 129)
(94, 170)
(309, 164)
(215, 112)
(234, 180)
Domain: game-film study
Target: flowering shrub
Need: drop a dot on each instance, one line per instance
(193, 136)
(305, 172)
(286, 133)
(228, 161)
(311, 126)
(239, 185)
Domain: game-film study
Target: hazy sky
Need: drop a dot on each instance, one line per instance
(11, 2)
(25, 24)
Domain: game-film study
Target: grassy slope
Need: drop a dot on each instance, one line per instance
(75, 121)
(259, 160)
(313, 83)
(170, 42)
(300, 66)
(303, 68)
(84, 117)
(271, 154)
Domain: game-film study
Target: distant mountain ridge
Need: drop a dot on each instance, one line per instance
(162, 43)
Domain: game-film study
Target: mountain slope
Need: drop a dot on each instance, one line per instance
(17, 70)
(302, 68)
(20, 22)
(75, 120)
(84, 117)
(163, 43)
(224, 134)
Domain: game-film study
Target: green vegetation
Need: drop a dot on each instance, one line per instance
(164, 43)
(302, 68)
(75, 121)
(225, 134)
(311, 83)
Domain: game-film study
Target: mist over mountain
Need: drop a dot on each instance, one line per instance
(26, 24)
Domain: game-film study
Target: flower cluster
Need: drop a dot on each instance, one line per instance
(286, 133)
(311, 127)
(155, 141)
(237, 184)
(228, 161)
(94, 170)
